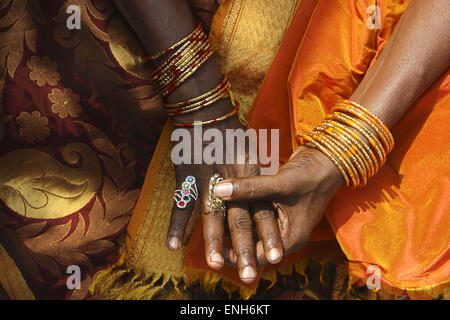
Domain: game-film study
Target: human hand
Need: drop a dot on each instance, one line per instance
(300, 191)
(239, 214)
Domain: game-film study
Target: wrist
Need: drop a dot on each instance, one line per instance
(330, 175)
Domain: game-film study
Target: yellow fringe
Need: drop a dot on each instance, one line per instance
(209, 280)
(102, 275)
(142, 285)
(426, 293)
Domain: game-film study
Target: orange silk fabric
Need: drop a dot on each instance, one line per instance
(400, 221)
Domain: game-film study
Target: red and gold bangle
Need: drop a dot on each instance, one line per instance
(194, 40)
(191, 53)
(191, 70)
(180, 68)
(206, 122)
(223, 84)
(199, 105)
(179, 73)
(171, 48)
(179, 59)
(169, 68)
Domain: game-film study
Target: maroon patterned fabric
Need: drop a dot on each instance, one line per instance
(79, 122)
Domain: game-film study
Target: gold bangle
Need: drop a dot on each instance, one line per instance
(172, 47)
(351, 170)
(185, 58)
(223, 84)
(172, 86)
(373, 117)
(351, 151)
(358, 146)
(177, 55)
(373, 140)
(206, 122)
(199, 105)
(330, 156)
(346, 130)
(373, 125)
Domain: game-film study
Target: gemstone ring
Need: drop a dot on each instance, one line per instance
(188, 190)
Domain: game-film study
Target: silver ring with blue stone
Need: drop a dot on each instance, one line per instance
(187, 192)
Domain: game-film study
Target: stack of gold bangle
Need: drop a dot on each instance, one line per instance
(355, 140)
(191, 105)
(193, 51)
(186, 57)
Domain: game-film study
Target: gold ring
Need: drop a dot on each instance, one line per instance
(214, 202)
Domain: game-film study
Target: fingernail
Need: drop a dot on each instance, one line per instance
(217, 258)
(223, 190)
(274, 254)
(248, 273)
(174, 243)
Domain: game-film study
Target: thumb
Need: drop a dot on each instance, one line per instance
(249, 189)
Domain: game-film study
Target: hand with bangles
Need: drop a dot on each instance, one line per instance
(188, 77)
(352, 143)
(348, 147)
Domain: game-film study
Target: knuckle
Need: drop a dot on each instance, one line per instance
(244, 253)
(214, 238)
(242, 222)
(264, 215)
(269, 236)
(217, 214)
(245, 186)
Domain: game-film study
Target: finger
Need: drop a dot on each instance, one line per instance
(267, 225)
(213, 228)
(180, 216)
(177, 226)
(240, 224)
(251, 188)
(229, 255)
(261, 254)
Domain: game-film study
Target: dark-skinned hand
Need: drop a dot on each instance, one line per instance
(300, 191)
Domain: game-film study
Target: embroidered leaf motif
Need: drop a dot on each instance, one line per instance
(17, 27)
(35, 185)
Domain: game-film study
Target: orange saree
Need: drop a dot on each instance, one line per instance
(399, 222)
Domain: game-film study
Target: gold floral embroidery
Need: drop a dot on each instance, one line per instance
(43, 71)
(65, 103)
(33, 126)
